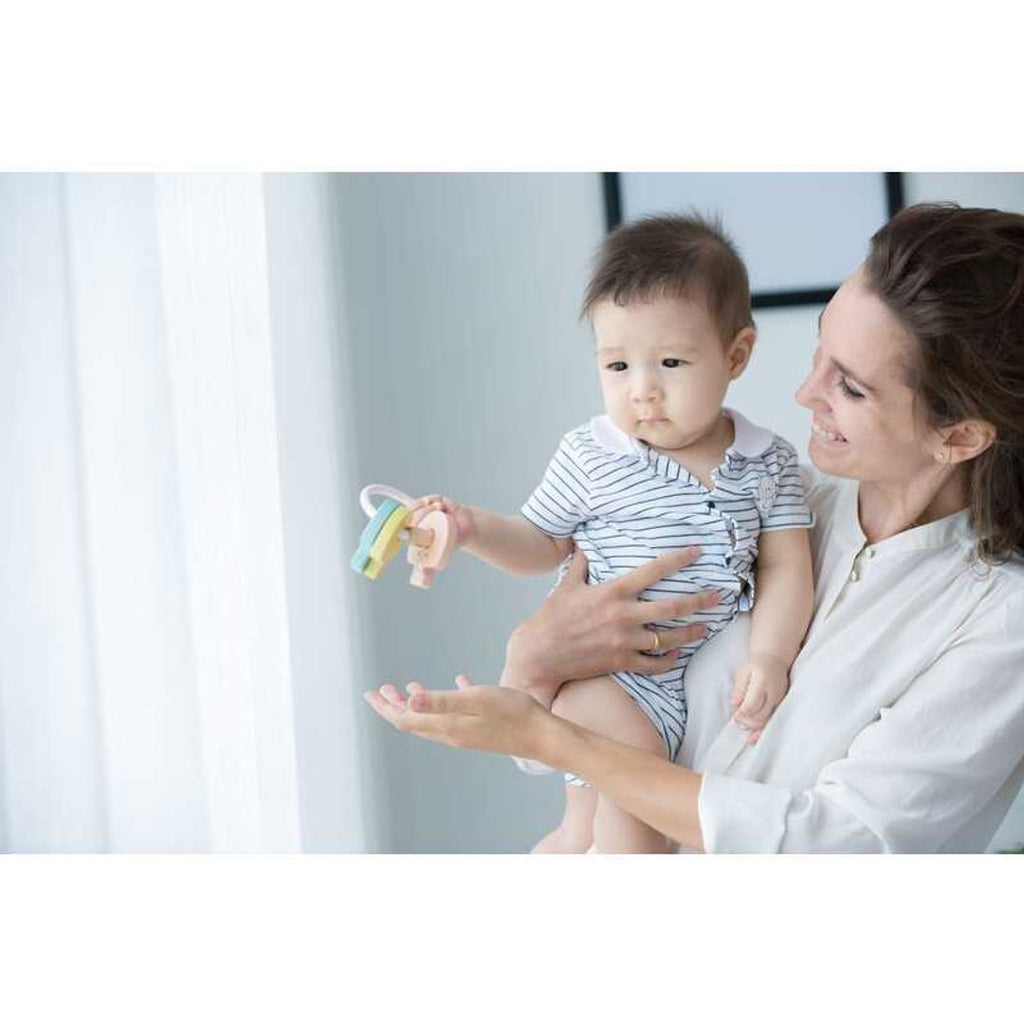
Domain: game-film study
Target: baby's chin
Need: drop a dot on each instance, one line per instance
(660, 434)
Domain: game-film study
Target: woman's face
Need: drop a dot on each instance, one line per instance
(866, 425)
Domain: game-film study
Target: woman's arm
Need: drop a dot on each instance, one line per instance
(508, 721)
(910, 780)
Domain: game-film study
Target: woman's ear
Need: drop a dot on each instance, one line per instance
(740, 350)
(965, 441)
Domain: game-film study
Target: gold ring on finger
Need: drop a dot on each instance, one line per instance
(656, 646)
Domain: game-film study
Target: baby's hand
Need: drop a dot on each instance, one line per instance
(461, 515)
(757, 691)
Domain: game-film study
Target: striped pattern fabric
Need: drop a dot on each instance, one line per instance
(624, 503)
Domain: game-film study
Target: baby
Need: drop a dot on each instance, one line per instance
(666, 467)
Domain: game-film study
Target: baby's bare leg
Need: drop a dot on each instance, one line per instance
(542, 696)
(602, 705)
(576, 832)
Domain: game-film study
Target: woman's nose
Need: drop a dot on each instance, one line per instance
(810, 392)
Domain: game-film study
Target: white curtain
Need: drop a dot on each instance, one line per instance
(147, 681)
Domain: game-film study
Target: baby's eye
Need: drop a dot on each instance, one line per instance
(673, 363)
(617, 367)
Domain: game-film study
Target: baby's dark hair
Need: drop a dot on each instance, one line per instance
(675, 256)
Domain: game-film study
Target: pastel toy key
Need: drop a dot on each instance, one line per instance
(429, 533)
(429, 557)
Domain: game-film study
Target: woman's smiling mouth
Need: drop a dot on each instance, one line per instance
(823, 432)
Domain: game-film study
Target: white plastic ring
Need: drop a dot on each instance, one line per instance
(384, 491)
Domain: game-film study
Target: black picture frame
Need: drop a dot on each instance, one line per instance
(894, 195)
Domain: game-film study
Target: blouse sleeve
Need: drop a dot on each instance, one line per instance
(912, 778)
(560, 502)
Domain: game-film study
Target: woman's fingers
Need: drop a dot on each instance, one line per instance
(434, 725)
(673, 639)
(639, 579)
(442, 702)
(386, 709)
(681, 607)
(392, 695)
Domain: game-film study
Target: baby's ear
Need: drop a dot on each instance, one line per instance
(741, 348)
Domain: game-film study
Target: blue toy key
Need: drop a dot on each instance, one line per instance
(361, 558)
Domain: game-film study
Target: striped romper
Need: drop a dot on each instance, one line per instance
(624, 503)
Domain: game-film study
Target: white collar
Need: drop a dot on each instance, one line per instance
(951, 530)
(750, 440)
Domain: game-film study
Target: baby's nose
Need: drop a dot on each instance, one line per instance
(645, 386)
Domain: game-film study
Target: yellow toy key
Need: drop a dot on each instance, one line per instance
(387, 543)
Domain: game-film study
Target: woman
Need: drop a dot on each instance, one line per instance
(903, 730)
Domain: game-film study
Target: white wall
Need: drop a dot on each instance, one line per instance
(461, 294)
(461, 299)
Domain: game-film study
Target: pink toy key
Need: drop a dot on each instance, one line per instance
(428, 556)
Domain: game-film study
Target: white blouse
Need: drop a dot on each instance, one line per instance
(903, 730)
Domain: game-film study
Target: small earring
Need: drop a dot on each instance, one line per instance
(942, 456)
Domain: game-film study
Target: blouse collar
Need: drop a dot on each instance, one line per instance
(951, 530)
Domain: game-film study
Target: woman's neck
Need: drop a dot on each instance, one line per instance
(888, 509)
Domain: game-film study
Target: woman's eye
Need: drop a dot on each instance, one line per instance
(618, 366)
(673, 363)
(847, 390)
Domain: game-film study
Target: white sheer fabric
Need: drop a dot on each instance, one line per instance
(145, 666)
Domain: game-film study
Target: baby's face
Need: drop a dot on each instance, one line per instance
(664, 370)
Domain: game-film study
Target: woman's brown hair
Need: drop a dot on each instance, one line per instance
(954, 277)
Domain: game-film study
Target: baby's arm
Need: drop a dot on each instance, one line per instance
(511, 543)
(781, 615)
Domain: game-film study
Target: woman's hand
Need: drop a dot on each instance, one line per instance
(477, 717)
(506, 721)
(582, 630)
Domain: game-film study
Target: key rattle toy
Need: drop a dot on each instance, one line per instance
(429, 533)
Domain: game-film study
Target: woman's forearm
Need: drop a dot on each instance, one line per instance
(656, 791)
(509, 721)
